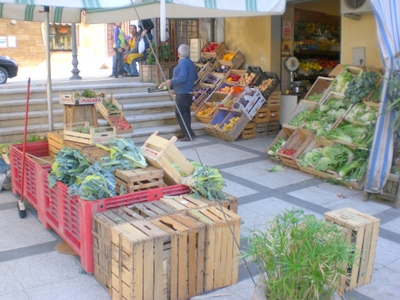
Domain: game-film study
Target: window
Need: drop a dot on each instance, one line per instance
(60, 38)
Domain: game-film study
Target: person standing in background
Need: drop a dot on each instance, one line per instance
(119, 48)
(146, 26)
(184, 76)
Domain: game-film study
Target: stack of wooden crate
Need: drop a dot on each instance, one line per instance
(267, 117)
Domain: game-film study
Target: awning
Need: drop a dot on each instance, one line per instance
(107, 11)
(387, 14)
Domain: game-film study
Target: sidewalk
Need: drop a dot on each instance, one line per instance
(31, 268)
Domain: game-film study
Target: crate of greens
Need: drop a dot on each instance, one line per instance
(85, 134)
(297, 117)
(86, 97)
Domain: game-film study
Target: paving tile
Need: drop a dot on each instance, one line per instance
(8, 197)
(215, 155)
(392, 225)
(316, 195)
(387, 253)
(258, 173)
(83, 287)
(14, 295)
(355, 201)
(16, 233)
(237, 190)
(257, 143)
(9, 284)
(38, 270)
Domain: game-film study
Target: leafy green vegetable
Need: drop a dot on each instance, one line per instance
(315, 97)
(361, 86)
(274, 149)
(341, 81)
(362, 113)
(297, 120)
(276, 169)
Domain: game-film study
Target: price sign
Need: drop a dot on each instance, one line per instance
(287, 27)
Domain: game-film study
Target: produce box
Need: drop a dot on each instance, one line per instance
(319, 89)
(183, 256)
(234, 76)
(294, 147)
(139, 179)
(273, 127)
(56, 141)
(236, 92)
(274, 99)
(267, 83)
(365, 232)
(203, 70)
(195, 48)
(207, 110)
(212, 80)
(278, 142)
(122, 126)
(201, 94)
(81, 98)
(227, 125)
(70, 217)
(267, 114)
(109, 106)
(93, 154)
(249, 131)
(83, 133)
(232, 59)
(163, 154)
(250, 102)
(390, 191)
(185, 202)
(221, 264)
(250, 77)
(301, 111)
(80, 113)
(212, 50)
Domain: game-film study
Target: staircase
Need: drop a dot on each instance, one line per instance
(146, 112)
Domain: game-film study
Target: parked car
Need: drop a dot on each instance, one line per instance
(8, 68)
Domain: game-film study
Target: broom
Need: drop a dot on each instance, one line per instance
(21, 205)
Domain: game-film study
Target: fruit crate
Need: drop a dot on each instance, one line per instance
(72, 98)
(285, 134)
(321, 86)
(163, 154)
(223, 117)
(129, 181)
(250, 101)
(267, 83)
(218, 50)
(95, 134)
(249, 131)
(298, 141)
(250, 77)
(217, 79)
(203, 70)
(234, 73)
(107, 102)
(184, 255)
(221, 265)
(365, 231)
(236, 60)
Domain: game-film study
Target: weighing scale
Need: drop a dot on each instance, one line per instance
(296, 87)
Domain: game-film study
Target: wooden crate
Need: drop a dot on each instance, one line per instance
(94, 154)
(151, 210)
(390, 191)
(163, 154)
(209, 55)
(94, 136)
(273, 128)
(274, 99)
(285, 133)
(267, 114)
(302, 106)
(104, 111)
(184, 255)
(235, 62)
(72, 98)
(321, 86)
(297, 141)
(221, 252)
(148, 73)
(185, 202)
(101, 232)
(365, 235)
(56, 142)
(139, 270)
(80, 113)
(195, 48)
(139, 179)
(249, 131)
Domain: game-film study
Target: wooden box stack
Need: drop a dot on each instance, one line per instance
(163, 154)
(139, 179)
(56, 141)
(249, 131)
(267, 117)
(365, 230)
(221, 253)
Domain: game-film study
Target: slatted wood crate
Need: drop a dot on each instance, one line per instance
(101, 232)
(151, 210)
(185, 202)
(365, 230)
(221, 252)
(267, 114)
(94, 135)
(274, 99)
(273, 128)
(163, 154)
(130, 181)
(138, 268)
(95, 154)
(249, 131)
(183, 255)
(56, 142)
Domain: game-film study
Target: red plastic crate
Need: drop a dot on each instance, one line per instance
(31, 188)
(71, 217)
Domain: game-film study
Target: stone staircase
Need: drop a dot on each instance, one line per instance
(146, 112)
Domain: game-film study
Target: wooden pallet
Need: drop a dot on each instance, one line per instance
(101, 232)
(221, 253)
(365, 230)
(183, 254)
(139, 179)
(163, 154)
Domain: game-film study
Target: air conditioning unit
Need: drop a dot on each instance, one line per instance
(356, 7)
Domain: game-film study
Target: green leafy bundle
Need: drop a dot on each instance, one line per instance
(298, 119)
(361, 86)
(362, 113)
(274, 149)
(94, 183)
(340, 83)
(68, 163)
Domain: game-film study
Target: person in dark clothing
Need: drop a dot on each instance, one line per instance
(184, 76)
(146, 25)
(119, 48)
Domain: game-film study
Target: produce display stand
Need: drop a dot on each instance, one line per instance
(217, 51)
(321, 86)
(70, 217)
(302, 106)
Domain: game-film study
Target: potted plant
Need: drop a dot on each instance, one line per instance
(301, 257)
(148, 71)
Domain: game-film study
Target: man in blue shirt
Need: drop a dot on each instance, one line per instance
(183, 79)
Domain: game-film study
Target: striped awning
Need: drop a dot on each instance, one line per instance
(109, 11)
(387, 14)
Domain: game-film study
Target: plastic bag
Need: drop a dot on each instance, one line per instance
(141, 47)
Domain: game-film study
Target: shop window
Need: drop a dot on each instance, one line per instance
(60, 38)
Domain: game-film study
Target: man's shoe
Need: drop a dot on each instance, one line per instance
(185, 139)
(135, 75)
(181, 136)
(111, 75)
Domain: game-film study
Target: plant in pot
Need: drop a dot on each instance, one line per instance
(301, 257)
(148, 71)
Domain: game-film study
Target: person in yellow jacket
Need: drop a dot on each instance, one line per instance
(119, 48)
(132, 52)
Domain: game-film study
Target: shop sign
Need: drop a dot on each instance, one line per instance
(287, 27)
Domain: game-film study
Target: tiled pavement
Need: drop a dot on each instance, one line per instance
(30, 267)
